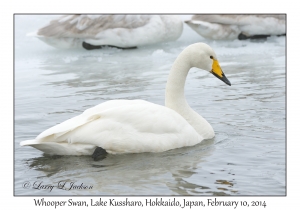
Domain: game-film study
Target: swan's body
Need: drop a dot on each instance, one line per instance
(134, 126)
(123, 31)
(119, 126)
(237, 26)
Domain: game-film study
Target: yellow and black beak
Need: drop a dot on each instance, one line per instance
(217, 71)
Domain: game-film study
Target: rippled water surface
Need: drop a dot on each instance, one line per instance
(246, 157)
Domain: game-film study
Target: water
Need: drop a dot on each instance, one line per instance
(247, 156)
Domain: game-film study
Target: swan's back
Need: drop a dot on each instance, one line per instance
(124, 31)
(88, 26)
(239, 19)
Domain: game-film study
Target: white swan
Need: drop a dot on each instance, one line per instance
(237, 26)
(123, 31)
(135, 126)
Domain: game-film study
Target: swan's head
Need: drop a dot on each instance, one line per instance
(203, 57)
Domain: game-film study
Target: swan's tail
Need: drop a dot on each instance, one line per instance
(29, 142)
(55, 148)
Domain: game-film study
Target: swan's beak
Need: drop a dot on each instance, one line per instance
(217, 71)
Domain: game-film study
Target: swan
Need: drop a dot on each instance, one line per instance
(136, 126)
(121, 31)
(229, 27)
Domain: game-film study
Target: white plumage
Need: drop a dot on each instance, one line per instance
(134, 126)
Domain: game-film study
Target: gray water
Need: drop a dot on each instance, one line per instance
(246, 157)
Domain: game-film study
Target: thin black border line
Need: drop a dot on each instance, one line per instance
(286, 105)
(14, 194)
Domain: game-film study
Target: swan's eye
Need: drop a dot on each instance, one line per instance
(211, 57)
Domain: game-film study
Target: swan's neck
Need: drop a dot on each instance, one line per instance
(175, 99)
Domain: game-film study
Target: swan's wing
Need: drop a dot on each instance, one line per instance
(234, 24)
(237, 19)
(84, 118)
(88, 26)
(134, 128)
(219, 19)
(125, 31)
(214, 30)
